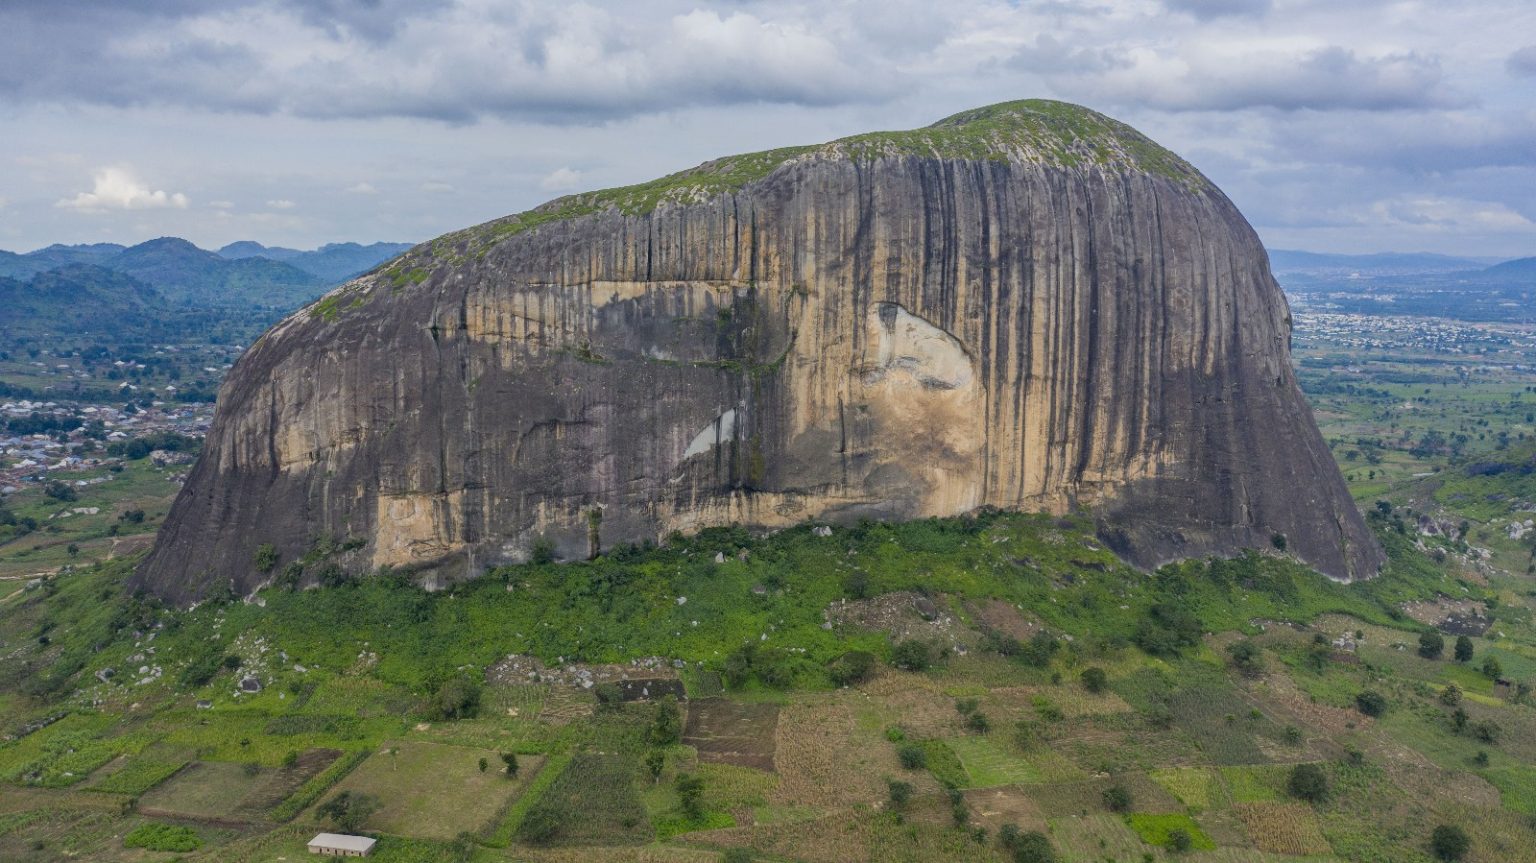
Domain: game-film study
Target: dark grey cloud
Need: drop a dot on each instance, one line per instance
(1206, 10)
(1522, 62)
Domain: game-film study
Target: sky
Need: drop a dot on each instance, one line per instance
(1359, 126)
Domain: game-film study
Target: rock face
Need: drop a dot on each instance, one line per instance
(1025, 306)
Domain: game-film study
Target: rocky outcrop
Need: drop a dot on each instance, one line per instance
(1025, 306)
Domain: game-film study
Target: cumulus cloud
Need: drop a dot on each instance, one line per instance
(1235, 76)
(1208, 9)
(1522, 62)
(119, 189)
(1429, 213)
(452, 61)
(560, 180)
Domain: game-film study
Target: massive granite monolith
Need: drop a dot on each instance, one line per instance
(1028, 306)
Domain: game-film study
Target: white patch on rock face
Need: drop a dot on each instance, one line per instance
(722, 429)
(907, 343)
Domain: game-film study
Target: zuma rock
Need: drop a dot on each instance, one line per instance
(1028, 306)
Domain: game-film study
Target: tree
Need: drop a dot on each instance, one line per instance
(1371, 702)
(1308, 782)
(1492, 669)
(348, 810)
(509, 762)
(1450, 696)
(60, 492)
(912, 756)
(455, 698)
(1094, 679)
(912, 655)
(1030, 847)
(484, 765)
(1463, 649)
(1247, 658)
(900, 792)
(1449, 842)
(690, 793)
(855, 666)
(1431, 645)
(1179, 840)
(1117, 798)
(655, 761)
(667, 728)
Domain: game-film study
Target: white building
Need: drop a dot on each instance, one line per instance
(341, 845)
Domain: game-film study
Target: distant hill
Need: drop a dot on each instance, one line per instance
(1520, 270)
(25, 266)
(334, 262)
(1289, 260)
(186, 274)
(79, 297)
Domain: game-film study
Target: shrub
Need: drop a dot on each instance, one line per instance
(1094, 679)
(855, 666)
(1449, 842)
(455, 698)
(856, 585)
(1463, 649)
(1308, 782)
(1278, 541)
(1117, 798)
(913, 757)
(543, 551)
(163, 837)
(509, 763)
(1492, 669)
(1247, 658)
(1030, 847)
(899, 792)
(266, 557)
(912, 655)
(348, 810)
(540, 827)
(1431, 645)
(978, 722)
(690, 793)
(1179, 840)
(1487, 731)
(1450, 696)
(1371, 703)
(667, 728)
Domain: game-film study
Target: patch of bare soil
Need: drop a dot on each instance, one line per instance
(733, 732)
(520, 669)
(903, 615)
(1454, 616)
(1001, 617)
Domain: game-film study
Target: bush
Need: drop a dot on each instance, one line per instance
(266, 557)
(900, 792)
(1179, 840)
(1247, 658)
(1371, 703)
(348, 810)
(1450, 696)
(1431, 645)
(60, 492)
(1094, 679)
(978, 722)
(1308, 782)
(855, 666)
(913, 757)
(690, 794)
(667, 727)
(455, 698)
(1492, 669)
(1463, 649)
(1030, 847)
(1449, 843)
(163, 837)
(912, 655)
(1117, 798)
(540, 827)
(1487, 731)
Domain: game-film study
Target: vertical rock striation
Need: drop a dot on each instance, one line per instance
(1025, 306)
